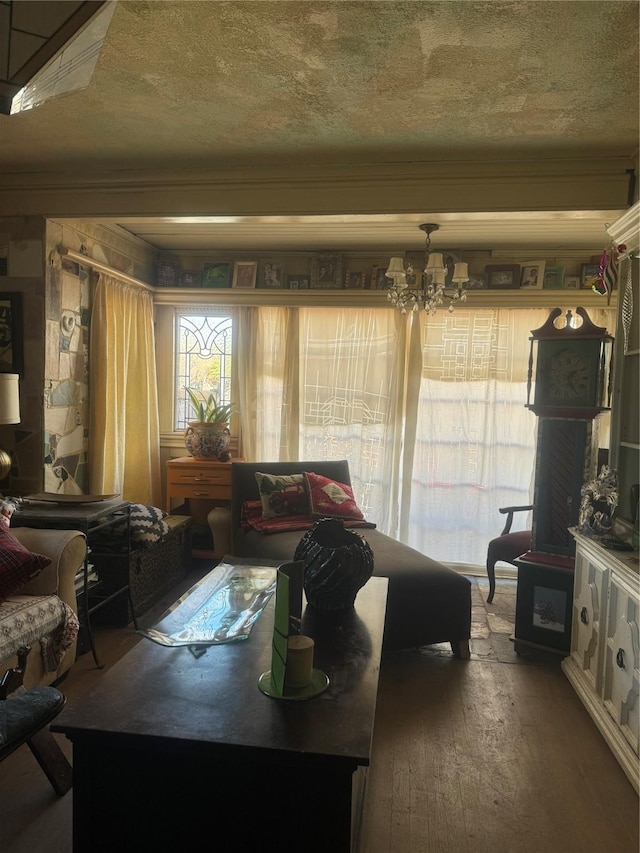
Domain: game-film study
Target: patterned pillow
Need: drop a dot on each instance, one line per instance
(282, 494)
(331, 499)
(147, 525)
(18, 565)
(7, 508)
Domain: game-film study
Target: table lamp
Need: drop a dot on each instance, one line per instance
(9, 414)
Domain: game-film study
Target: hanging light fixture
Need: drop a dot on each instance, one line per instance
(426, 290)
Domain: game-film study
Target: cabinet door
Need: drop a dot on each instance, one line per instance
(622, 661)
(587, 648)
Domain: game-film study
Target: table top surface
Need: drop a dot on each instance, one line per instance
(50, 511)
(169, 694)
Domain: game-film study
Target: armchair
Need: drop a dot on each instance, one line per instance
(507, 547)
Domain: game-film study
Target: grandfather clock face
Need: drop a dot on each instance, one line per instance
(567, 374)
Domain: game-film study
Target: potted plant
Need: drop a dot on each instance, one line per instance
(207, 435)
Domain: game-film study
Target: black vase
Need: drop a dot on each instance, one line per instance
(338, 563)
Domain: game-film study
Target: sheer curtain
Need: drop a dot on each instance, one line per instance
(429, 412)
(475, 440)
(124, 432)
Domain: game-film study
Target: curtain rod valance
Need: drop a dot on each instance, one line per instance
(100, 267)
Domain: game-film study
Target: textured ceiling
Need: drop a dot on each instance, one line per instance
(209, 84)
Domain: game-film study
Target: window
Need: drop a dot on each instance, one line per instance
(203, 359)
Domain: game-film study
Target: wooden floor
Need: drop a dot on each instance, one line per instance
(491, 755)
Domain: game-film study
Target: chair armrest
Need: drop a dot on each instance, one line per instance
(67, 550)
(510, 510)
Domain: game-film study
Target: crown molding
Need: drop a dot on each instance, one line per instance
(372, 188)
(626, 229)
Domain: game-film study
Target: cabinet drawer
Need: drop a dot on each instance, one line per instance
(199, 476)
(200, 490)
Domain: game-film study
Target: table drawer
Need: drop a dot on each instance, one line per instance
(200, 490)
(200, 476)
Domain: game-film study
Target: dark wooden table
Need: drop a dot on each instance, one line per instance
(174, 752)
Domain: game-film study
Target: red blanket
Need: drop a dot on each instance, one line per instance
(251, 519)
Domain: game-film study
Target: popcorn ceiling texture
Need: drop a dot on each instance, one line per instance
(190, 84)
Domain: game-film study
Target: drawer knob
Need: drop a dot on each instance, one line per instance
(584, 616)
(620, 658)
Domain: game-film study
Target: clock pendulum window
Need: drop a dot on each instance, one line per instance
(570, 376)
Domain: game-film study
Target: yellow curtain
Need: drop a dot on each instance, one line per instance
(124, 435)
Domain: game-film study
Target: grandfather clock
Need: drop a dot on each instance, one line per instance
(570, 370)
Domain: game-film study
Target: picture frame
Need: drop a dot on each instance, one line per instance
(379, 280)
(553, 278)
(217, 274)
(298, 281)
(572, 282)
(503, 276)
(326, 271)
(245, 274)
(354, 279)
(477, 281)
(272, 276)
(532, 275)
(589, 273)
(191, 278)
(11, 334)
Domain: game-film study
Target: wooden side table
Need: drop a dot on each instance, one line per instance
(203, 484)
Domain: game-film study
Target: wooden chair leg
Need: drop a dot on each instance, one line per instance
(52, 760)
(491, 572)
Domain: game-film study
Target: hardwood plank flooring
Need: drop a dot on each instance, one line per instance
(492, 755)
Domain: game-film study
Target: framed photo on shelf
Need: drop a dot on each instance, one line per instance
(245, 273)
(503, 276)
(191, 278)
(327, 271)
(354, 280)
(217, 275)
(272, 276)
(532, 275)
(477, 281)
(589, 274)
(379, 280)
(572, 282)
(11, 334)
(298, 281)
(553, 278)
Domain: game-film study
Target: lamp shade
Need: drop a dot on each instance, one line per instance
(461, 272)
(9, 398)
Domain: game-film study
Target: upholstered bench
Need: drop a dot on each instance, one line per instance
(427, 602)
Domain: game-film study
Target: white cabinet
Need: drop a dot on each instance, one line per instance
(604, 664)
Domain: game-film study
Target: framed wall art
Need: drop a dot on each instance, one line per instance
(217, 275)
(589, 274)
(532, 275)
(503, 276)
(354, 280)
(379, 280)
(327, 271)
(245, 273)
(11, 335)
(272, 276)
(553, 278)
(477, 281)
(572, 282)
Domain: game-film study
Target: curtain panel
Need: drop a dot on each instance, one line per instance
(124, 435)
(429, 411)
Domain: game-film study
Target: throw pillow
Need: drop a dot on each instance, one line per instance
(282, 494)
(7, 508)
(18, 565)
(330, 499)
(147, 525)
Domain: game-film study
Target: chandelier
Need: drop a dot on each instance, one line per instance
(426, 290)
